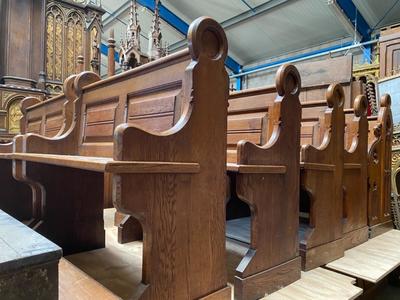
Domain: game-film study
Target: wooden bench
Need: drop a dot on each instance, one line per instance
(170, 181)
(264, 173)
(379, 169)
(314, 132)
(50, 118)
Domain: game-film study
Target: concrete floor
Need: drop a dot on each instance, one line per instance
(117, 267)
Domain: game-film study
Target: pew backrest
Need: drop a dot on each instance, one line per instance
(248, 118)
(149, 97)
(51, 117)
(249, 109)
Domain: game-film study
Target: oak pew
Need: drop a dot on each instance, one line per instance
(317, 77)
(321, 235)
(313, 132)
(170, 181)
(51, 117)
(319, 169)
(355, 174)
(264, 173)
(379, 169)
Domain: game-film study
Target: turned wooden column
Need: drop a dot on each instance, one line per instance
(111, 54)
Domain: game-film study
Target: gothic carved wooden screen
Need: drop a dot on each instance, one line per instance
(72, 30)
(55, 32)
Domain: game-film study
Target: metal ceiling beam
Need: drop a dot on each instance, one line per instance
(117, 13)
(353, 14)
(304, 56)
(167, 15)
(254, 12)
(245, 16)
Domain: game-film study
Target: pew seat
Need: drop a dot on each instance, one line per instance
(106, 164)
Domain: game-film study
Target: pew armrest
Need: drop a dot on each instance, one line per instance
(256, 169)
(132, 143)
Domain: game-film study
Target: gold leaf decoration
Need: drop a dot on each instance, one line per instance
(50, 46)
(14, 116)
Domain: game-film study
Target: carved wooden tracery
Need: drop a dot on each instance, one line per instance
(64, 43)
(74, 42)
(71, 32)
(55, 32)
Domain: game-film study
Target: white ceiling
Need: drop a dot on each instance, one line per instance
(379, 13)
(288, 26)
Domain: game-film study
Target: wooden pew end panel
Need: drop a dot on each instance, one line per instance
(266, 177)
(181, 208)
(321, 235)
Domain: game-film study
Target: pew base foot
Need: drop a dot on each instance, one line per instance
(321, 255)
(268, 281)
(224, 293)
(129, 230)
(355, 237)
(380, 228)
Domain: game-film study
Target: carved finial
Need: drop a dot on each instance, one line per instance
(360, 106)
(111, 54)
(288, 80)
(335, 95)
(207, 29)
(133, 30)
(386, 100)
(156, 49)
(130, 47)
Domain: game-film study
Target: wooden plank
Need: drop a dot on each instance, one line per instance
(74, 284)
(326, 71)
(373, 260)
(319, 284)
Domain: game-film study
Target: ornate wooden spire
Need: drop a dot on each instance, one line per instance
(130, 54)
(133, 30)
(155, 37)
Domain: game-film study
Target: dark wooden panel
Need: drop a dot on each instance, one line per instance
(100, 121)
